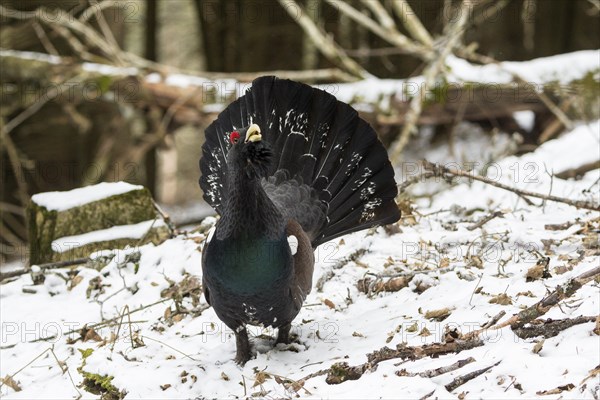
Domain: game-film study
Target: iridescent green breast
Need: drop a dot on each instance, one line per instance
(248, 265)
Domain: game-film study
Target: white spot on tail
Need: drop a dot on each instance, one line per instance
(293, 242)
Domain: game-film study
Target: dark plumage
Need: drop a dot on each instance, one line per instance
(287, 167)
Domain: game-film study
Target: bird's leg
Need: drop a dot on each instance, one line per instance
(283, 336)
(242, 345)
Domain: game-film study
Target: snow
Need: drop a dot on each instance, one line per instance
(194, 354)
(563, 68)
(61, 201)
(525, 119)
(29, 55)
(453, 267)
(133, 231)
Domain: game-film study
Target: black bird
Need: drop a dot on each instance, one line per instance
(287, 167)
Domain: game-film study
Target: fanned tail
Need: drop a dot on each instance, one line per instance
(319, 142)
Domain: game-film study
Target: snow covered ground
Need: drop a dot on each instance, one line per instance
(170, 345)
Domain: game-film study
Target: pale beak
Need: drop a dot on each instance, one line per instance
(253, 134)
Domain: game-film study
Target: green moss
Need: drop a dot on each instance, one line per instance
(104, 83)
(102, 385)
(124, 209)
(155, 236)
(96, 383)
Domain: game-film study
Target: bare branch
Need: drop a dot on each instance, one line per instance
(325, 45)
(392, 36)
(433, 70)
(461, 380)
(440, 170)
(411, 22)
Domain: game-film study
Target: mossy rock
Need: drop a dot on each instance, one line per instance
(48, 222)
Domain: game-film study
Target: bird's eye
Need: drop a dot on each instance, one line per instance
(234, 137)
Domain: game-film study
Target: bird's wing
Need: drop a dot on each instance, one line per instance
(296, 201)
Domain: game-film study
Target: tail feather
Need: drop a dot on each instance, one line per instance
(318, 142)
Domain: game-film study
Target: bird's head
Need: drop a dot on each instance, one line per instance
(248, 152)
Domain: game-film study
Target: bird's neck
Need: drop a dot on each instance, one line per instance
(248, 211)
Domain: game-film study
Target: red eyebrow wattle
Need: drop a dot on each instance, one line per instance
(233, 136)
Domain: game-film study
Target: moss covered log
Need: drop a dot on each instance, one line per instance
(47, 225)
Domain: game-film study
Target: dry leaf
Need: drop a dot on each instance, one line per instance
(538, 271)
(413, 327)
(90, 334)
(177, 318)
(224, 376)
(438, 315)
(425, 332)
(260, 378)
(475, 261)
(557, 390)
(503, 299)
(11, 383)
(538, 346)
(75, 281)
(561, 269)
(329, 304)
(165, 386)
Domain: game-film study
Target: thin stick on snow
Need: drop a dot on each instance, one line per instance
(461, 380)
(65, 368)
(441, 171)
(170, 347)
(540, 308)
(431, 373)
(105, 322)
(22, 368)
(485, 220)
(44, 267)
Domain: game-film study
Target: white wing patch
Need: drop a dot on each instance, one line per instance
(293, 242)
(211, 232)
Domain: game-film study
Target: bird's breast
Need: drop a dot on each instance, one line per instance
(248, 265)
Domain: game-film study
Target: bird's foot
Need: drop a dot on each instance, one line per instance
(242, 343)
(283, 336)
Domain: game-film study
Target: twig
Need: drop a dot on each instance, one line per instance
(461, 380)
(543, 306)
(551, 328)
(41, 34)
(485, 220)
(558, 113)
(440, 170)
(330, 274)
(103, 323)
(431, 373)
(43, 267)
(431, 73)
(390, 35)
(579, 171)
(329, 49)
(171, 347)
(65, 368)
(494, 320)
(411, 22)
(414, 179)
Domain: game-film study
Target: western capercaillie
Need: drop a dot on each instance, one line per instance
(287, 167)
